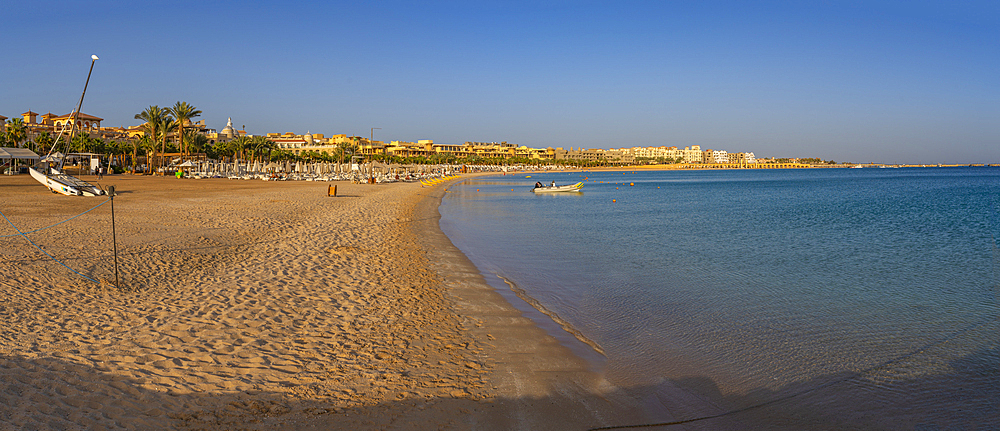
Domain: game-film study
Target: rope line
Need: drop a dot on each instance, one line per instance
(57, 224)
(862, 373)
(43, 251)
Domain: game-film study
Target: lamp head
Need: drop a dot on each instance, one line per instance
(94, 57)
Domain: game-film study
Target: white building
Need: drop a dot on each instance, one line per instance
(715, 156)
(692, 154)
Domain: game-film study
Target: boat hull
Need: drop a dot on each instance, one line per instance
(65, 184)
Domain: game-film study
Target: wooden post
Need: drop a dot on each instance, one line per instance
(114, 235)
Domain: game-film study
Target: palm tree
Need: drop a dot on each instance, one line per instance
(280, 155)
(81, 143)
(16, 131)
(146, 143)
(113, 150)
(166, 128)
(239, 145)
(347, 148)
(183, 112)
(43, 141)
(259, 145)
(154, 117)
(197, 142)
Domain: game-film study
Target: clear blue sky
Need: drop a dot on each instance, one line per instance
(906, 81)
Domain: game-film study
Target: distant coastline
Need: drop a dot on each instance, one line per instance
(693, 166)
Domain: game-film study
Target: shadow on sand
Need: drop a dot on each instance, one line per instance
(54, 393)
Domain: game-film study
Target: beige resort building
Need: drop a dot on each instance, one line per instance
(54, 124)
(691, 154)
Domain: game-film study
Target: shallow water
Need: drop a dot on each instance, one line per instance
(815, 298)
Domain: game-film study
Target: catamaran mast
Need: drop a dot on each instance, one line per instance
(56, 180)
(76, 115)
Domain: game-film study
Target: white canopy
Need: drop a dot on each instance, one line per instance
(18, 153)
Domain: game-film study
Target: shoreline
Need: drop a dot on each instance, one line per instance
(545, 377)
(261, 305)
(539, 383)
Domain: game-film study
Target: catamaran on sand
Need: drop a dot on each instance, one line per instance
(49, 170)
(58, 182)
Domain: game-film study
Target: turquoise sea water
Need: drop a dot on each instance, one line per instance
(796, 299)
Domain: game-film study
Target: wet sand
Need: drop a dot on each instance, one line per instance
(268, 305)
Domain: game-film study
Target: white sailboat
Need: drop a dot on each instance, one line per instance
(53, 177)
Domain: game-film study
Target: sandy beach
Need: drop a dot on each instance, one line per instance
(268, 305)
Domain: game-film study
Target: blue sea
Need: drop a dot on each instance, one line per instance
(781, 299)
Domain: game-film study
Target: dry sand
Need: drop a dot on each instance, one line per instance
(263, 305)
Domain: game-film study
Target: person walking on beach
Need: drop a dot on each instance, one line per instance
(100, 172)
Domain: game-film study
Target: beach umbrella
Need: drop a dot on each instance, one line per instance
(54, 157)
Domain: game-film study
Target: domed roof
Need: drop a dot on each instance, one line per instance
(229, 129)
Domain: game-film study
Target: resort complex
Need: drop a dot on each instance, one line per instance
(318, 143)
(37, 132)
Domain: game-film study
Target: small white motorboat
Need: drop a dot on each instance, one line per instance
(558, 189)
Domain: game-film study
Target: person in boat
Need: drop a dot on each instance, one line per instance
(538, 184)
(553, 184)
